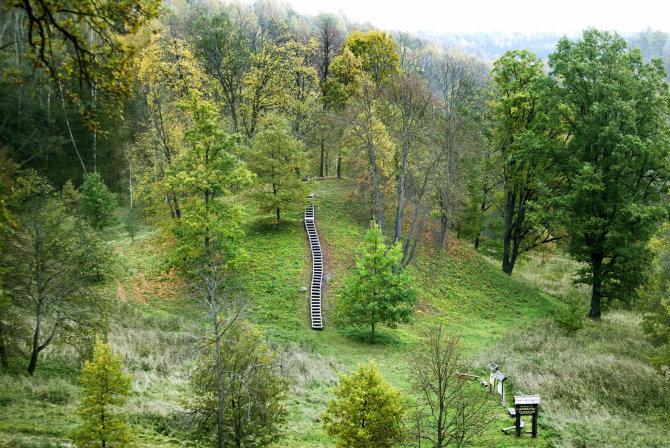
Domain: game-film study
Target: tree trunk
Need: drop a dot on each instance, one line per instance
(95, 131)
(67, 122)
(175, 201)
(482, 208)
(277, 218)
(102, 421)
(372, 337)
(510, 206)
(4, 363)
(33, 361)
(444, 225)
(401, 197)
(407, 261)
(507, 266)
(36, 343)
(130, 181)
(220, 434)
(323, 153)
(339, 165)
(378, 199)
(596, 292)
(233, 115)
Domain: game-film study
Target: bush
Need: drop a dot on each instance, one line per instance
(570, 316)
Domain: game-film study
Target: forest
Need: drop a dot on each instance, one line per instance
(478, 198)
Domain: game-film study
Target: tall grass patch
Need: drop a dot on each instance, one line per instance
(597, 387)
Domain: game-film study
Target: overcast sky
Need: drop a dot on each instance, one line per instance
(463, 16)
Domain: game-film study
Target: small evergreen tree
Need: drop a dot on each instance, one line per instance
(379, 290)
(105, 389)
(69, 196)
(132, 223)
(366, 411)
(96, 202)
(570, 315)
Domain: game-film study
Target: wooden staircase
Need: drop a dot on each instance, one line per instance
(317, 270)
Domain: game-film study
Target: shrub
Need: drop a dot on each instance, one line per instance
(570, 316)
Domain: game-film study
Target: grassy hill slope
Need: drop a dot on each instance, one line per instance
(156, 325)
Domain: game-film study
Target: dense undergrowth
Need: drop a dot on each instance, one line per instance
(593, 384)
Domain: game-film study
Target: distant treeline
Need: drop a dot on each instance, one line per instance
(490, 46)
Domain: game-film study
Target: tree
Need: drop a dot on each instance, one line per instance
(521, 111)
(378, 291)
(458, 81)
(205, 173)
(655, 298)
(456, 411)
(96, 202)
(52, 259)
(377, 53)
(132, 223)
(78, 42)
(347, 77)
(167, 71)
(366, 411)
(329, 40)
(615, 164)
(224, 44)
(70, 196)
(254, 393)
(278, 158)
(6, 167)
(269, 82)
(369, 147)
(410, 101)
(104, 389)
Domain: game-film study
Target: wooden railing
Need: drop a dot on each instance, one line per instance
(317, 270)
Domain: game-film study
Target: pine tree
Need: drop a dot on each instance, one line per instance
(132, 223)
(366, 411)
(96, 202)
(69, 196)
(105, 389)
(379, 289)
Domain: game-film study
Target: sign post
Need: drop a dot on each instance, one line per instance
(498, 384)
(526, 405)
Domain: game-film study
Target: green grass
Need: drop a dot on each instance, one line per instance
(597, 387)
(155, 327)
(459, 289)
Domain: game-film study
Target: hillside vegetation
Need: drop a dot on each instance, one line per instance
(157, 285)
(583, 379)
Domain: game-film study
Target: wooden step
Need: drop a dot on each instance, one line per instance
(317, 268)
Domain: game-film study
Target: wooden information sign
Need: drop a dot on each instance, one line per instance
(526, 405)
